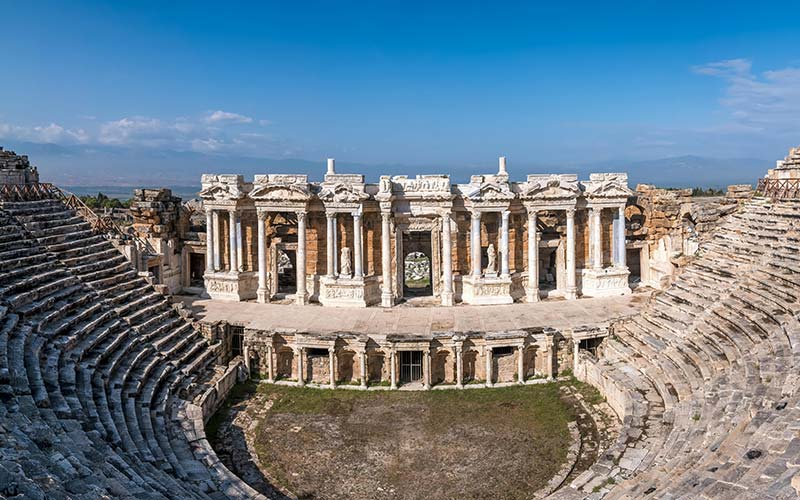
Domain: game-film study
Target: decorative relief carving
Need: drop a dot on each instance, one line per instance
(550, 187)
(612, 185)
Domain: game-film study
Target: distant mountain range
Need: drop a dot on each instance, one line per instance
(90, 167)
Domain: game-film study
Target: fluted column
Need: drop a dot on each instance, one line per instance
(358, 263)
(459, 366)
(218, 245)
(447, 261)
(301, 297)
(621, 257)
(239, 245)
(234, 266)
(504, 267)
(209, 241)
(521, 364)
(332, 367)
(596, 237)
(532, 293)
(387, 300)
(489, 370)
(330, 268)
(475, 244)
(262, 294)
(571, 291)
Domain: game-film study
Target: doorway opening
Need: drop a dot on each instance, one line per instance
(287, 275)
(410, 366)
(197, 268)
(417, 268)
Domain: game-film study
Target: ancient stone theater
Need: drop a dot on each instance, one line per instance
(120, 342)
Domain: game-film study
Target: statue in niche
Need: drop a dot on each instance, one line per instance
(345, 262)
(491, 254)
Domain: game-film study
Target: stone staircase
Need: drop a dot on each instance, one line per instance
(707, 375)
(98, 372)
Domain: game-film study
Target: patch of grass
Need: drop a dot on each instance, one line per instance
(238, 393)
(591, 395)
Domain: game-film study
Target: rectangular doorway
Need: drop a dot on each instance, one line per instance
(417, 264)
(410, 366)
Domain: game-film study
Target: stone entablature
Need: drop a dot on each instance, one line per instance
(446, 360)
(346, 240)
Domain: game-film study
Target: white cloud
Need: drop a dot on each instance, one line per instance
(222, 117)
(766, 103)
(51, 134)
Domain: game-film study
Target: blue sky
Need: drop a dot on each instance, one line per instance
(434, 83)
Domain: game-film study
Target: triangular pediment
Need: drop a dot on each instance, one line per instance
(343, 193)
(280, 192)
(551, 187)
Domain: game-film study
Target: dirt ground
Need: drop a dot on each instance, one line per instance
(502, 443)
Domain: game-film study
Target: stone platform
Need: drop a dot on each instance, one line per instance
(558, 314)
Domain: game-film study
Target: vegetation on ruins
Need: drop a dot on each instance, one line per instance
(103, 201)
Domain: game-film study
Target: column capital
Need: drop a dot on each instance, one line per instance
(570, 212)
(233, 210)
(505, 213)
(356, 214)
(262, 215)
(386, 216)
(532, 214)
(301, 214)
(475, 213)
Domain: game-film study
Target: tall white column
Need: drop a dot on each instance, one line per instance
(571, 291)
(262, 294)
(475, 244)
(363, 366)
(392, 370)
(621, 257)
(332, 367)
(550, 359)
(521, 364)
(596, 237)
(387, 300)
(270, 365)
(233, 241)
(532, 293)
(459, 366)
(335, 245)
(504, 272)
(426, 365)
(489, 370)
(218, 245)
(447, 261)
(239, 243)
(330, 268)
(358, 262)
(300, 352)
(301, 297)
(209, 241)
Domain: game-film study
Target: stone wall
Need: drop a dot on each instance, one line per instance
(16, 169)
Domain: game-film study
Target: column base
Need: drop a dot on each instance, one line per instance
(532, 295)
(485, 290)
(301, 299)
(448, 299)
(607, 282)
(571, 293)
(231, 287)
(387, 299)
(350, 292)
(262, 295)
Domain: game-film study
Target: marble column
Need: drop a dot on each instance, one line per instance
(576, 343)
(363, 367)
(621, 257)
(330, 268)
(447, 261)
(521, 364)
(218, 245)
(532, 292)
(571, 292)
(300, 352)
(239, 243)
(270, 365)
(358, 262)
(596, 237)
(387, 299)
(550, 359)
(209, 241)
(459, 366)
(301, 297)
(332, 367)
(392, 369)
(475, 244)
(335, 245)
(262, 294)
(426, 365)
(504, 264)
(234, 266)
(489, 370)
